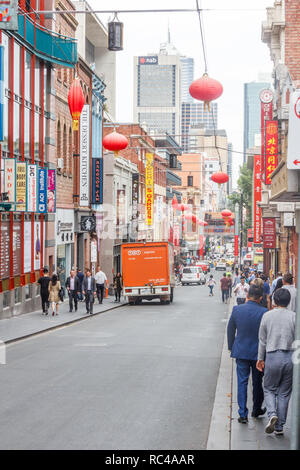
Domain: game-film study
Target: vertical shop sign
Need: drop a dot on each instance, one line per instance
(42, 190)
(159, 208)
(27, 245)
(121, 207)
(269, 232)
(266, 99)
(97, 181)
(37, 245)
(1, 91)
(9, 15)
(257, 198)
(4, 253)
(149, 188)
(135, 203)
(84, 197)
(17, 248)
(51, 191)
(271, 146)
(31, 188)
(10, 179)
(250, 236)
(293, 153)
(21, 187)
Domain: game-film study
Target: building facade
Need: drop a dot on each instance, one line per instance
(193, 114)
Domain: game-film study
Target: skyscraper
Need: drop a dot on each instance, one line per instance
(252, 113)
(157, 90)
(187, 77)
(193, 114)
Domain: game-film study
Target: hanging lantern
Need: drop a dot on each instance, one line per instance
(220, 178)
(226, 213)
(115, 34)
(76, 102)
(114, 142)
(206, 89)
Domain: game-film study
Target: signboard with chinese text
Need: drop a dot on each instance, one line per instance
(9, 15)
(266, 99)
(149, 188)
(10, 179)
(21, 187)
(257, 198)
(271, 146)
(269, 232)
(84, 197)
(293, 152)
(97, 181)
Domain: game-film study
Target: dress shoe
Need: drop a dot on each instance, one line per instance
(258, 413)
(243, 420)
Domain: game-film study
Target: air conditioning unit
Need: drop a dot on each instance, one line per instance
(60, 164)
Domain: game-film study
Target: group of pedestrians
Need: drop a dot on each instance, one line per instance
(80, 288)
(260, 339)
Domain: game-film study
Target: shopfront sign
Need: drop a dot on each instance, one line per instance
(266, 99)
(21, 187)
(51, 191)
(148, 60)
(32, 188)
(65, 223)
(149, 188)
(4, 250)
(135, 202)
(1, 92)
(271, 146)
(293, 152)
(257, 198)
(84, 197)
(88, 224)
(10, 179)
(269, 232)
(9, 15)
(42, 190)
(97, 181)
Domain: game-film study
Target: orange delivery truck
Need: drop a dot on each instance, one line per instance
(148, 271)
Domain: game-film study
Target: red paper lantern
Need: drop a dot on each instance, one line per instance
(206, 89)
(219, 177)
(226, 213)
(76, 102)
(115, 142)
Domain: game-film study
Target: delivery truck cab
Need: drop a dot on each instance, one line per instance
(148, 272)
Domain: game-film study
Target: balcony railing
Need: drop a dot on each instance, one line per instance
(47, 44)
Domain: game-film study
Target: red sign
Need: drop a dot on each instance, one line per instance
(250, 235)
(257, 198)
(269, 230)
(236, 245)
(271, 146)
(266, 98)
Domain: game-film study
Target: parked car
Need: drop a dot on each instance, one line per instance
(204, 265)
(193, 275)
(221, 265)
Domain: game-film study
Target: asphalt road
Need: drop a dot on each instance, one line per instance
(141, 377)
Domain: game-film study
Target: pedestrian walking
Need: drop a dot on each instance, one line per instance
(80, 276)
(279, 285)
(241, 291)
(118, 286)
(101, 283)
(274, 283)
(211, 284)
(224, 288)
(288, 283)
(276, 337)
(73, 288)
(54, 290)
(236, 279)
(44, 292)
(89, 290)
(266, 292)
(242, 336)
(229, 284)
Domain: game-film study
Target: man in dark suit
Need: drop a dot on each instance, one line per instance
(242, 335)
(73, 288)
(89, 290)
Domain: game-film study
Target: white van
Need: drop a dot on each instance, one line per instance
(192, 275)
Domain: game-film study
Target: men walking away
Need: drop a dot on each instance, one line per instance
(288, 283)
(241, 291)
(44, 283)
(276, 337)
(242, 335)
(224, 282)
(89, 290)
(101, 283)
(73, 288)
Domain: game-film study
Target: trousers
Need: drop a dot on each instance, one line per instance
(278, 384)
(100, 292)
(89, 301)
(45, 301)
(243, 368)
(225, 295)
(73, 296)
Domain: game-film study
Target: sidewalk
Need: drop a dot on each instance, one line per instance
(29, 324)
(226, 433)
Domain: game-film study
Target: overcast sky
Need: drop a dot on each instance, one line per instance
(234, 50)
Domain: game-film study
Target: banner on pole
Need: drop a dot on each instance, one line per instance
(257, 198)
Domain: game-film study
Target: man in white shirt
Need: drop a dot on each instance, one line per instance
(241, 291)
(288, 283)
(101, 281)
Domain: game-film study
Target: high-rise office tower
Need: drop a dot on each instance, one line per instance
(187, 77)
(193, 114)
(252, 113)
(157, 90)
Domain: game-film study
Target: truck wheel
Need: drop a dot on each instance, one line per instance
(138, 301)
(162, 302)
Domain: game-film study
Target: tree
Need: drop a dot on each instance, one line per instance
(244, 196)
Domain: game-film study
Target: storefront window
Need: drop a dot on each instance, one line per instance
(16, 69)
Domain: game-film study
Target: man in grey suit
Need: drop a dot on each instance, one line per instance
(89, 290)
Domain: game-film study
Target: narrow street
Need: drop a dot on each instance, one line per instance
(140, 377)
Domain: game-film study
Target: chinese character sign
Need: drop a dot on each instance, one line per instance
(257, 198)
(271, 146)
(266, 99)
(149, 188)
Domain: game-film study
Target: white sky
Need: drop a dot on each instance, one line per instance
(234, 50)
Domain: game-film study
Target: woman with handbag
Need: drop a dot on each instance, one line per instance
(118, 286)
(54, 293)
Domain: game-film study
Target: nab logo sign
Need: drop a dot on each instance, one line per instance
(148, 60)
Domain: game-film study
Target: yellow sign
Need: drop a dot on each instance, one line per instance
(149, 188)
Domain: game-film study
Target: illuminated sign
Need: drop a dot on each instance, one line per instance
(149, 188)
(271, 145)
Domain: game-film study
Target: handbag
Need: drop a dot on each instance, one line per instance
(61, 294)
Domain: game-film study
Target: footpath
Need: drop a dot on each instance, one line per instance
(30, 324)
(226, 433)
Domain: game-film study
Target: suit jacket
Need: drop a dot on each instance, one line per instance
(76, 283)
(85, 284)
(242, 330)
